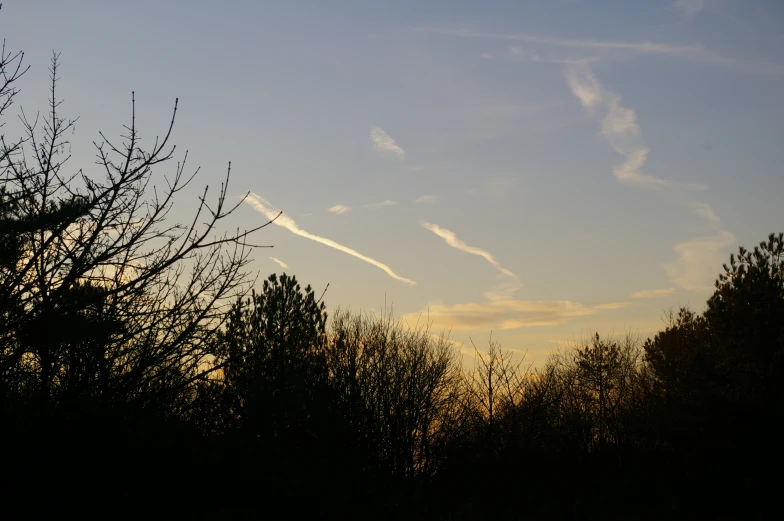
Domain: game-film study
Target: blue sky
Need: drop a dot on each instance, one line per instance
(540, 170)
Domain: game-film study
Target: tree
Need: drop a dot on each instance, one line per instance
(745, 317)
(493, 435)
(733, 352)
(94, 249)
(604, 377)
(719, 375)
(12, 68)
(271, 403)
(591, 383)
(272, 354)
(396, 389)
(495, 388)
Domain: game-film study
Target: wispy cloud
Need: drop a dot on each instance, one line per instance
(698, 259)
(688, 9)
(384, 143)
(284, 221)
(452, 240)
(584, 85)
(380, 204)
(503, 314)
(511, 282)
(695, 53)
(500, 309)
(705, 211)
(280, 263)
(653, 293)
(640, 47)
(507, 314)
(339, 209)
(425, 199)
(619, 126)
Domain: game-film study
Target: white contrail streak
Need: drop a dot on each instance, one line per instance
(284, 221)
(280, 263)
(505, 290)
(451, 239)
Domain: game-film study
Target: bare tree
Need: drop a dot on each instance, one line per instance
(397, 387)
(494, 390)
(98, 244)
(591, 384)
(12, 69)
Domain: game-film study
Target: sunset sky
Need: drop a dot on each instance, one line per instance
(538, 169)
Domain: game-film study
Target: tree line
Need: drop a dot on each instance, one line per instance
(136, 351)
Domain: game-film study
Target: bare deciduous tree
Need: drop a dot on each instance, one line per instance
(397, 387)
(97, 243)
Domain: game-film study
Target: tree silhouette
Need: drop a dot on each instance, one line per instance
(272, 354)
(397, 391)
(106, 305)
(603, 369)
(745, 316)
(719, 377)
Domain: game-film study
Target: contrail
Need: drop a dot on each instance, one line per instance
(284, 221)
(452, 240)
(280, 263)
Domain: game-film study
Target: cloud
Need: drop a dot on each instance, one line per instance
(705, 211)
(698, 259)
(653, 293)
(619, 121)
(380, 204)
(339, 209)
(452, 240)
(688, 9)
(639, 47)
(584, 85)
(506, 314)
(500, 309)
(284, 221)
(425, 199)
(629, 172)
(503, 314)
(280, 263)
(384, 143)
(620, 127)
(694, 53)
(506, 288)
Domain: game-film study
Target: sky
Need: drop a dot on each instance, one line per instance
(526, 171)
